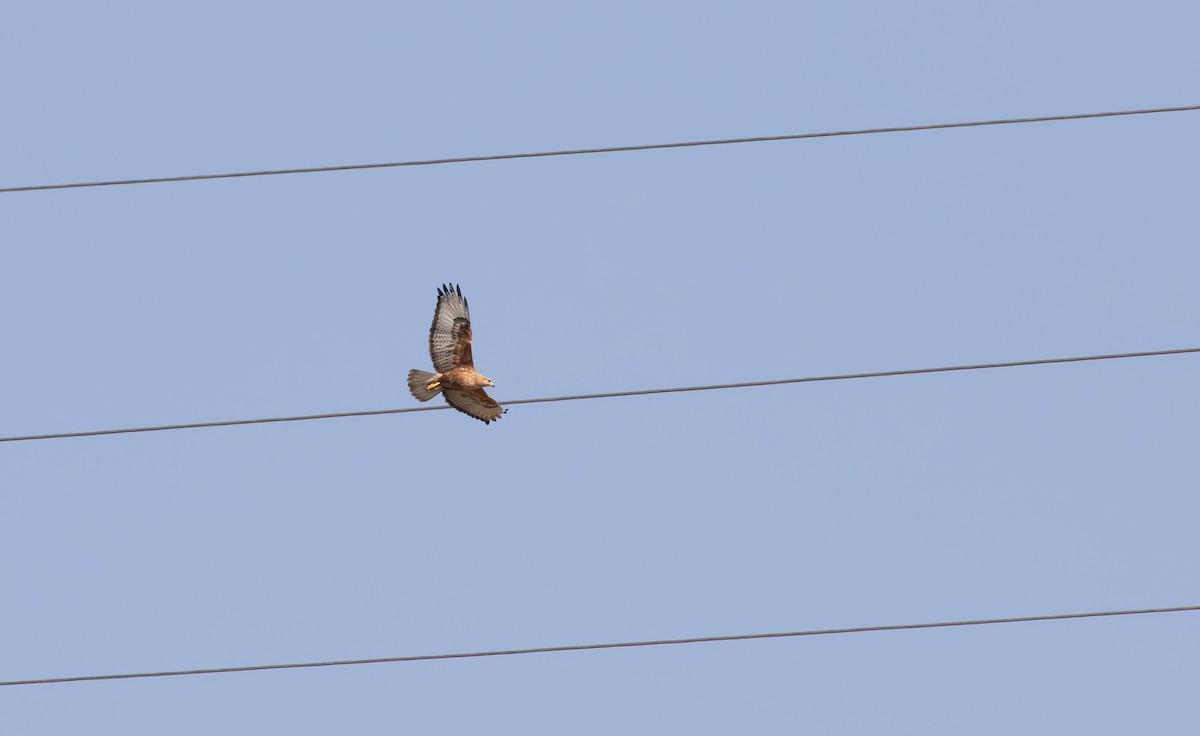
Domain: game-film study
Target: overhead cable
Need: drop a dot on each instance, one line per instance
(609, 645)
(609, 395)
(608, 149)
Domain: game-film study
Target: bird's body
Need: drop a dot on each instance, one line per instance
(450, 349)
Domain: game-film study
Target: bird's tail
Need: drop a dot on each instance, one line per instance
(417, 381)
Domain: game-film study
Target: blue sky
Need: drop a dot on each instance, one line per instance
(1000, 493)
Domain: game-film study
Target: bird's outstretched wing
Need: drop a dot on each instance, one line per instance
(450, 335)
(474, 402)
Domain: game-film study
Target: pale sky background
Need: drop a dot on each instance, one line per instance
(1000, 493)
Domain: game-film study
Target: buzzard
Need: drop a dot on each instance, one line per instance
(450, 348)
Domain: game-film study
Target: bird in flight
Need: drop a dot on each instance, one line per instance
(450, 348)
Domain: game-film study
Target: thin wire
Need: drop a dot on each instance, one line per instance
(610, 645)
(610, 149)
(613, 394)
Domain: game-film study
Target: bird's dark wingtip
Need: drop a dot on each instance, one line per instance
(451, 289)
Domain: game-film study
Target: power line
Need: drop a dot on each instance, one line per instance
(610, 149)
(613, 394)
(609, 645)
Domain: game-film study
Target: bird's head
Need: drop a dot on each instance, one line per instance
(487, 381)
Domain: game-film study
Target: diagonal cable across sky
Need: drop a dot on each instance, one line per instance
(607, 149)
